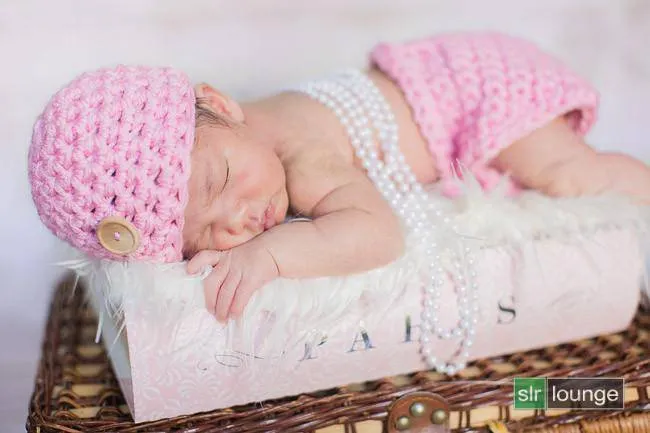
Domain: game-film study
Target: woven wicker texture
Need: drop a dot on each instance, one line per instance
(76, 390)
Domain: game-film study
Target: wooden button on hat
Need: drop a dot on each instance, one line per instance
(118, 235)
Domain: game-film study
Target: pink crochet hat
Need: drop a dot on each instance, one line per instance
(109, 162)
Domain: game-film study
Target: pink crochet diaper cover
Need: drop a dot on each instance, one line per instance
(473, 94)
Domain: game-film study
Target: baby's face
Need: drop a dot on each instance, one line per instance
(236, 190)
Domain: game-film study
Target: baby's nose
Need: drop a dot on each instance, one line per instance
(254, 221)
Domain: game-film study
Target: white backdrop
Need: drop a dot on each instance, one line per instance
(247, 48)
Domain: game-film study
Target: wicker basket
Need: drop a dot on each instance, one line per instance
(76, 390)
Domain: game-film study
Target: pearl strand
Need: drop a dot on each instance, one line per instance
(467, 308)
(358, 105)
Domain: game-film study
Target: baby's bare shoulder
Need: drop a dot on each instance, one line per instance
(313, 173)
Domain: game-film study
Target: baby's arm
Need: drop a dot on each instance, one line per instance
(556, 161)
(353, 230)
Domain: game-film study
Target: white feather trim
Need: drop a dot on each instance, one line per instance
(488, 220)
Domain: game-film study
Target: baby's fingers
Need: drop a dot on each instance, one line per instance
(212, 285)
(226, 294)
(242, 296)
(202, 259)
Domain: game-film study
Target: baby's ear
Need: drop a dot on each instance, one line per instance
(219, 102)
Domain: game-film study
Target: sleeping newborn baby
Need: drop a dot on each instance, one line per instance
(137, 164)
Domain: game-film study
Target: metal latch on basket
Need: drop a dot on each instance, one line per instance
(419, 412)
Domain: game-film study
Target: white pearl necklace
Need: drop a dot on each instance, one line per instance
(360, 107)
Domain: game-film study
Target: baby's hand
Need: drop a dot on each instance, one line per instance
(236, 275)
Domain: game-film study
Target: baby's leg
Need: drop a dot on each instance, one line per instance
(557, 162)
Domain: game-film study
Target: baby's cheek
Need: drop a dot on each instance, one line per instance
(254, 180)
(243, 177)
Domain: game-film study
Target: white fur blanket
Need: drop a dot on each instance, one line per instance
(487, 220)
